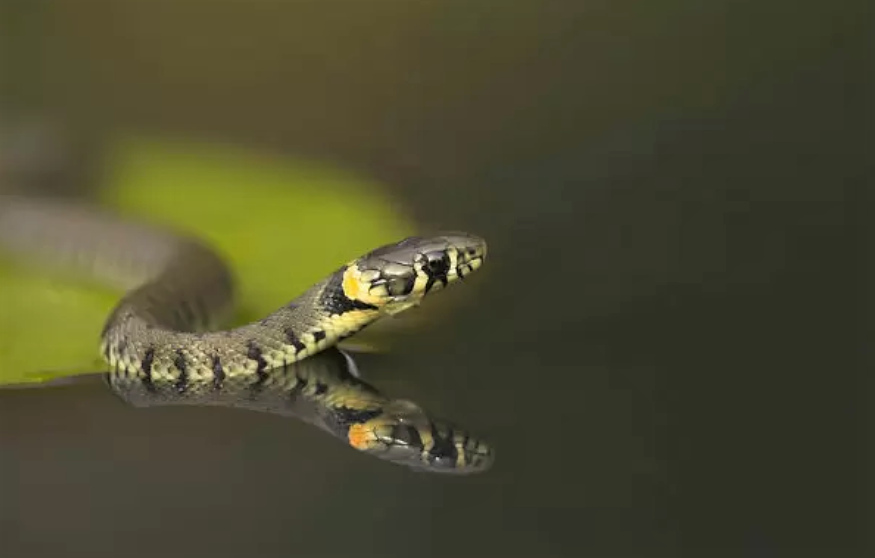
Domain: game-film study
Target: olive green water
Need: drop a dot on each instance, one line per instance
(658, 346)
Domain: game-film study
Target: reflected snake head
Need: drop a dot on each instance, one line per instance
(405, 435)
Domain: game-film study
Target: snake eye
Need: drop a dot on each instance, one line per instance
(406, 435)
(437, 264)
(400, 286)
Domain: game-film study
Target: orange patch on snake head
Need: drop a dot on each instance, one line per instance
(359, 436)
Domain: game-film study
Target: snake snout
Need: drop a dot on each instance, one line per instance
(466, 254)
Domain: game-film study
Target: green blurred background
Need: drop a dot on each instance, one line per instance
(657, 346)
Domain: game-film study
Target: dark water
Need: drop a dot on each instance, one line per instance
(660, 348)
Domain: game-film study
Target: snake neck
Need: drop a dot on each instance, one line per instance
(163, 343)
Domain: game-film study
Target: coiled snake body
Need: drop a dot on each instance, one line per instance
(161, 345)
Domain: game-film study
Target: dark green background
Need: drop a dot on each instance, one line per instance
(660, 346)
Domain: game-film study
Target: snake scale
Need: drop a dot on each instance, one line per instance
(162, 344)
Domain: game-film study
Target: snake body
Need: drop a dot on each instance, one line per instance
(161, 344)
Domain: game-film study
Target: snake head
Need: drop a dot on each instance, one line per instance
(398, 276)
(405, 435)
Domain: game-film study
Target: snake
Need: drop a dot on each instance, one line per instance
(164, 342)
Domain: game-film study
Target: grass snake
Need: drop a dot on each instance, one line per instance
(162, 344)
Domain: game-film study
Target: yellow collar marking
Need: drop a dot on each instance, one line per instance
(352, 287)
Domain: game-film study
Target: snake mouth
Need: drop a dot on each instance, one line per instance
(463, 270)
